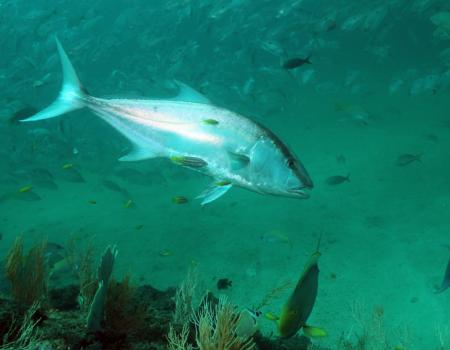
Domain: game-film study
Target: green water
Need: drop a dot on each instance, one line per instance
(378, 88)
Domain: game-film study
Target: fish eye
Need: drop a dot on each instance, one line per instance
(290, 163)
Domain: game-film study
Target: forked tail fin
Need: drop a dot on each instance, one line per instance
(71, 95)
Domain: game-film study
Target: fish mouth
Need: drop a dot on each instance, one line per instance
(298, 192)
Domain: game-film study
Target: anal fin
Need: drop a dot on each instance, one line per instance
(215, 191)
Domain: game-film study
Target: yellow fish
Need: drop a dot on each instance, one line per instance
(179, 200)
(67, 166)
(129, 204)
(298, 307)
(25, 189)
(210, 121)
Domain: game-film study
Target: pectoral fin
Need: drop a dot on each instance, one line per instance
(214, 191)
(238, 160)
(314, 332)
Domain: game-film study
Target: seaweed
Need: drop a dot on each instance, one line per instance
(124, 313)
(27, 274)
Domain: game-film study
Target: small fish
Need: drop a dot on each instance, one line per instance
(192, 162)
(337, 180)
(446, 281)
(41, 173)
(341, 159)
(44, 183)
(407, 158)
(275, 236)
(22, 114)
(296, 62)
(165, 252)
(224, 283)
(54, 252)
(111, 185)
(133, 176)
(25, 189)
(28, 196)
(210, 121)
(139, 227)
(71, 174)
(67, 166)
(129, 204)
(247, 323)
(271, 317)
(92, 201)
(179, 200)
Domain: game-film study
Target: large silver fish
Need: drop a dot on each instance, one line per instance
(194, 133)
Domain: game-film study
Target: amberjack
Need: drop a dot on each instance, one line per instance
(192, 132)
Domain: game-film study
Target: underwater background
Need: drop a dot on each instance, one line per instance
(373, 105)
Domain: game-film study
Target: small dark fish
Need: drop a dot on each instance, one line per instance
(41, 173)
(54, 253)
(45, 183)
(69, 173)
(337, 179)
(407, 158)
(133, 176)
(341, 159)
(111, 185)
(21, 114)
(224, 283)
(446, 281)
(296, 62)
(28, 196)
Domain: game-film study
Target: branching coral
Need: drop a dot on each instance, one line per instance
(370, 332)
(81, 259)
(27, 274)
(216, 328)
(184, 298)
(179, 341)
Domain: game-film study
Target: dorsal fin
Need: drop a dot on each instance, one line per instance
(188, 94)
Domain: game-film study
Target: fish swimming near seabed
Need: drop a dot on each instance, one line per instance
(446, 280)
(234, 150)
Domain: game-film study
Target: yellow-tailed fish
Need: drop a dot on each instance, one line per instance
(298, 308)
(192, 162)
(242, 151)
(25, 189)
(271, 317)
(179, 200)
(129, 204)
(210, 121)
(67, 166)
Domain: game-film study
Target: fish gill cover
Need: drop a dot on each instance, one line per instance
(351, 96)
